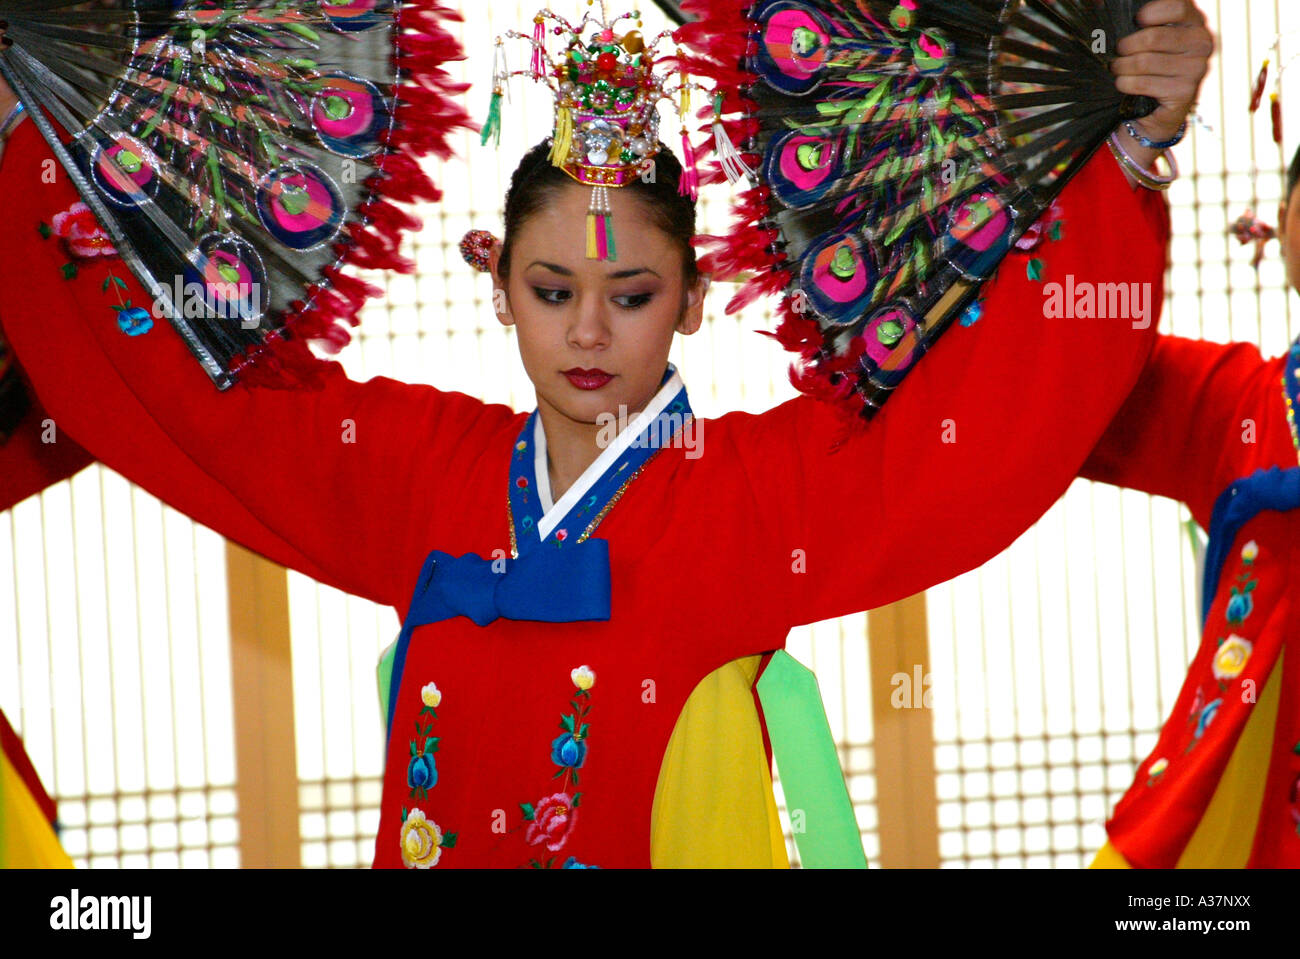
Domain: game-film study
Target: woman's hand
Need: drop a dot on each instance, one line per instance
(1166, 60)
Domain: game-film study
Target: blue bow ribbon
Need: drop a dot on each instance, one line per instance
(1270, 489)
(525, 589)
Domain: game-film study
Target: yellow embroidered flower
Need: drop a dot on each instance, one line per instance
(583, 677)
(1157, 767)
(1250, 552)
(421, 841)
(1231, 658)
(431, 696)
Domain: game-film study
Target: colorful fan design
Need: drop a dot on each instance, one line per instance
(241, 155)
(896, 152)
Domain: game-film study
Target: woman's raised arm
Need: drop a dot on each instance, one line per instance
(351, 477)
(984, 435)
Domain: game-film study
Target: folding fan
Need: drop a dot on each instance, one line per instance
(897, 151)
(241, 153)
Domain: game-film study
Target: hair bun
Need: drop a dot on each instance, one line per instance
(476, 248)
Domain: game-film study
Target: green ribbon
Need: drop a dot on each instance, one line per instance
(385, 677)
(821, 812)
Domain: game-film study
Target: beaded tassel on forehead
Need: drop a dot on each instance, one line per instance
(607, 95)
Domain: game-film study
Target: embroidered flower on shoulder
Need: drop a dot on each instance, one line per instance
(81, 233)
(583, 677)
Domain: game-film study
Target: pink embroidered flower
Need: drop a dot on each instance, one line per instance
(81, 233)
(553, 821)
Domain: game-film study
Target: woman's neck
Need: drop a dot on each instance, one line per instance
(570, 448)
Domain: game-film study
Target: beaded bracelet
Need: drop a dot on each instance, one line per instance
(1152, 181)
(1150, 144)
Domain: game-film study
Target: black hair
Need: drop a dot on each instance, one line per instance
(1293, 175)
(536, 181)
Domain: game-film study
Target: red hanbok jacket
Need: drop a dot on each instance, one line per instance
(1214, 427)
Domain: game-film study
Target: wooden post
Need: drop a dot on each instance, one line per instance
(266, 760)
(906, 801)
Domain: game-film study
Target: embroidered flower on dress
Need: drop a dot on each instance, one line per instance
(1157, 770)
(430, 695)
(1231, 657)
(572, 863)
(422, 771)
(1207, 716)
(421, 841)
(1240, 605)
(552, 821)
(81, 233)
(569, 750)
(583, 677)
(1250, 552)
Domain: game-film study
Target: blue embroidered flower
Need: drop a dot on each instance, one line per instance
(1207, 717)
(133, 321)
(1239, 607)
(568, 750)
(572, 863)
(422, 772)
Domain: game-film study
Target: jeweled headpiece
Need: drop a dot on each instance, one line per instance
(607, 92)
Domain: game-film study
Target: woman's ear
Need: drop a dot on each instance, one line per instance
(500, 301)
(693, 315)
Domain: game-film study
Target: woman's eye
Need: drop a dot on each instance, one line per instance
(551, 296)
(634, 300)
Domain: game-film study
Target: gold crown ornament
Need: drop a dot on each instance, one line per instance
(607, 93)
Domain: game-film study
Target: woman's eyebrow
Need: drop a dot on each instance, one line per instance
(617, 275)
(553, 267)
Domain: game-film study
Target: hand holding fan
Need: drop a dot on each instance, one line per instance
(899, 150)
(241, 154)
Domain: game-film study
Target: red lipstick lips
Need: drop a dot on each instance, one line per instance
(588, 379)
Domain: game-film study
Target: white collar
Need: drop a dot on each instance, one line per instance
(552, 513)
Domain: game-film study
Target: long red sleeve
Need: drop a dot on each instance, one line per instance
(1201, 416)
(981, 439)
(327, 471)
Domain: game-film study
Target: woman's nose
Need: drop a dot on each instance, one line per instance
(590, 326)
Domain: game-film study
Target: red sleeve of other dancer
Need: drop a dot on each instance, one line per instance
(1202, 415)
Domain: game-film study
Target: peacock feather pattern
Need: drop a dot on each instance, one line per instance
(896, 151)
(242, 154)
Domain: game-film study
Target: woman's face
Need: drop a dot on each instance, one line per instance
(594, 335)
(1289, 235)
